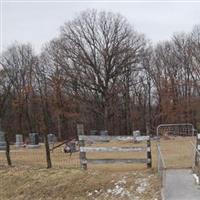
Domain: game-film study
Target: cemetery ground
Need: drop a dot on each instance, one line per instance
(29, 179)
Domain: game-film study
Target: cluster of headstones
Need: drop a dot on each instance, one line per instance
(101, 132)
(33, 140)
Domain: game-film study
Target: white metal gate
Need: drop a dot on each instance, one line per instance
(179, 129)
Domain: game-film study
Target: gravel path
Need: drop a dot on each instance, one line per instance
(180, 185)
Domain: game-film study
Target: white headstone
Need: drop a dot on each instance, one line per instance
(19, 140)
(136, 133)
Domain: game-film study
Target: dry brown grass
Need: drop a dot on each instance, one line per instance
(74, 184)
(177, 152)
(30, 180)
(36, 158)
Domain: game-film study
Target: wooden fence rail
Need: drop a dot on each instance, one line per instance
(113, 138)
(83, 149)
(112, 149)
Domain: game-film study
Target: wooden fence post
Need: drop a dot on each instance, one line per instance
(149, 160)
(83, 160)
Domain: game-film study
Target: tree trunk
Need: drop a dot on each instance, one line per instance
(59, 127)
(46, 114)
(128, 111)
(8, 151)
(106, 116)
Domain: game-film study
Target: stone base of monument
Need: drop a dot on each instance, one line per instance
(33, 146)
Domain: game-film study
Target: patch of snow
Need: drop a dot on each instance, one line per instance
(140, 189)
(142, 185)
(123, 181)
(109, 190)
(117, 190)
(89, 194)
(196, 178)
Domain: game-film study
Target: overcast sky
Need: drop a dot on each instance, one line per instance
(37, 22)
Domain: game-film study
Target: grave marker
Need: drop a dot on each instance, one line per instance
(19, 140)
(2, 141)
(51, 138)
(34, 141)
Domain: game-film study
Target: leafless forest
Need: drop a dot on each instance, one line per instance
(101, 72)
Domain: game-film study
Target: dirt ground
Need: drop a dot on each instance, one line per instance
(29, 179)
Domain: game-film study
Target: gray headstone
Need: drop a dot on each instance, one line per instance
(93, 132)
(2, 141)
(19, 140)
(51, 138)
(34, 141)
(136, 133)
(34, 138)
(103, 133)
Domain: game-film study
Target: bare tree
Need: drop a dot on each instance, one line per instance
(97, 49)
(41, 74)
(18, 63)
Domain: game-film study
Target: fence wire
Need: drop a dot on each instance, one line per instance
(161, 167)
(37, 158)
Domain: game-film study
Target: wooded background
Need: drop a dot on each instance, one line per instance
(101, 72)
